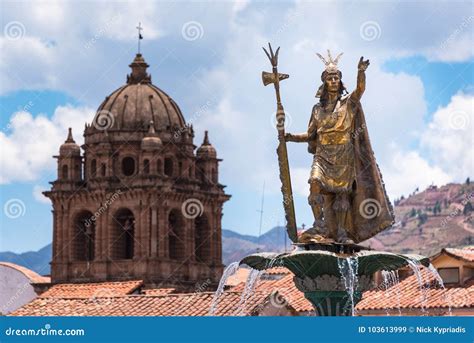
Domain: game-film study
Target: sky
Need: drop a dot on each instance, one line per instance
(60, 59)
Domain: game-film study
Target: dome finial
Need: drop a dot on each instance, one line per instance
(139, 74)
(206, 138)
(151, 141)
(69, 137)
(69, 147)
(151, 128)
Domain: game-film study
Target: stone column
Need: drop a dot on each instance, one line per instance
(154, 240)
(163, 246)
(138, 230)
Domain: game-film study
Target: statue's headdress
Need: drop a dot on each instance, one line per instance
(331, 68)
(331, 64)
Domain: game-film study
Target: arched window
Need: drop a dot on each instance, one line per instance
(93, 168)
(64, 172)
(202, 239)
(103, 170)
(176, 245)
(128, 166)
(83, 237)
(123, 235)
(168, 166)
(146, 166)
(180, 168)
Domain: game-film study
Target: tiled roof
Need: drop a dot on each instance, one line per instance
(116, 298)
(466, 254)
(31, 275)
(92, 290)
(193, 304)
(407, 295)
(239, 277)
(158, 291)
(277, 271)
(288, 294)
(295, 298)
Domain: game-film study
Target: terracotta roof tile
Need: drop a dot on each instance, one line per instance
(407, 294)
(239, 277)
(466, 254)
(194, 304)
(92, 290)
(158, 291)
(288, 294)
(277, 271)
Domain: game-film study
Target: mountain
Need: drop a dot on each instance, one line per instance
(236, 246)
(37, 261)
(427, 221)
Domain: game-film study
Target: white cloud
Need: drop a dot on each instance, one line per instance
(408, 170)
(62, 39)
(27, 150)
(449, 138)
(38, 194)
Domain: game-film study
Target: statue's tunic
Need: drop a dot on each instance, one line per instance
(333, 162)
(344, 162)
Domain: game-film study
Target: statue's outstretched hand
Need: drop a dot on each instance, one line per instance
(289, 137)
(362, 66)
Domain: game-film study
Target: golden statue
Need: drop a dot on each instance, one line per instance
(347, 194)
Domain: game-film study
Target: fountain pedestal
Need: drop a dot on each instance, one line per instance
(330, 296)
(333, 281)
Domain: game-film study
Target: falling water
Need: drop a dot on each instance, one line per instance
(396, 281)
(348, 269)
(390, 282)
(414, 265)
(229, 271)
(447, 296)
(250, 284)
(274, 262)
(386, 285)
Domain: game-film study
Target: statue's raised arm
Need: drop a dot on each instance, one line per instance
(360, 88)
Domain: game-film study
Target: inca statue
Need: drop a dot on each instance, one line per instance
(347, 194)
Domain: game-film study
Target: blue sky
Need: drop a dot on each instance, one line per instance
(418, 101)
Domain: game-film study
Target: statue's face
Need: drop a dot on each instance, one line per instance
(333, 82)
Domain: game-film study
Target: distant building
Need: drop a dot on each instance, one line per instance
(18, 286)
(456, 268)
(137, 202)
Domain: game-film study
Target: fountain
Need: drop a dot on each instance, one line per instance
(333, 282)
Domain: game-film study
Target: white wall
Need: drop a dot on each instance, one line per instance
(15, 289)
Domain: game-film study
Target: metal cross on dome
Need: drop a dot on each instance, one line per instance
(140, 37)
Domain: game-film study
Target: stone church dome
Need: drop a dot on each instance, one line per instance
(137, 103)
(138, 154)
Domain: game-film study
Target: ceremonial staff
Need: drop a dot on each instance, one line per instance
(282, 153)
